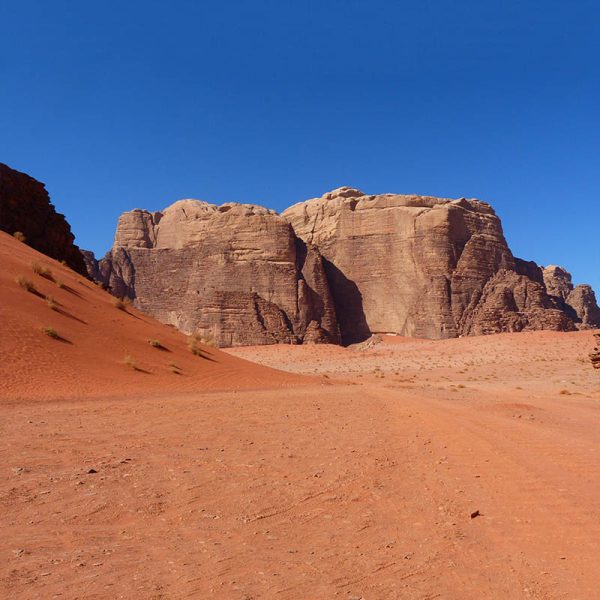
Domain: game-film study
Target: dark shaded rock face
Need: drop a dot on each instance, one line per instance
(25, 206)
(236, 273)
(340, 267)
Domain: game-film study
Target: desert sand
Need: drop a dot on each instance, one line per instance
(398, 468)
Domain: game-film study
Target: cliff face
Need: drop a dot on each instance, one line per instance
(579, 301)
(336, 268)
(235, 272)
(422, 266)
(25, 206)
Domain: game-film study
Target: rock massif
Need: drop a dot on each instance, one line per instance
(25, 207)
(337, 268)
(423, 266)
(234, 272)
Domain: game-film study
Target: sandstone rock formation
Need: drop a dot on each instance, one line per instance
(583, 301)
(422, 266)
(595, 354)
(340, 267)
(579, 302)
(235, 272)
(25, 206)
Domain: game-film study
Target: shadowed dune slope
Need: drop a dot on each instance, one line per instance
(101, 350)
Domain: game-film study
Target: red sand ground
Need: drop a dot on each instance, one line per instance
(90, 360)
(360, 488)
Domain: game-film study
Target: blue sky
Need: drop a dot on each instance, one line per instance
(117, 105)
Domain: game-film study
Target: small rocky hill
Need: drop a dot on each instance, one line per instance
(25, 207)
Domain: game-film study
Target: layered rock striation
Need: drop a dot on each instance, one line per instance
(423, 266)
(234, 272)
(577, 301)
(337, 268)
(25, 207)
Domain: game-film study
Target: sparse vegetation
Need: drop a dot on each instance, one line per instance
(156, 344)
(42, 271)
(19, 235)
(59, 284)
(130, 362)
(121, 303)
(208, 339)
(51, 332)
(26, 284)
(51, 303)
(194, 344)
(175, 369)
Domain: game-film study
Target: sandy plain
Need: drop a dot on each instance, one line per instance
(415, 469)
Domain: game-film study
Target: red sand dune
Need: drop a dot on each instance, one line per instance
(96, 338)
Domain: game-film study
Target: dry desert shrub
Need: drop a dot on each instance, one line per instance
(194, 344)
(51, 333)
(121, 303)
(26, 284)
(42, 271)
(156, 344)
(196, 340)
(51, 303)
(129, 361)
(20, 236)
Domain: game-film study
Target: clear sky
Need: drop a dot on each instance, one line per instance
(117, 105)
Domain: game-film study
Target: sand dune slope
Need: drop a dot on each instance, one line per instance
(101, 350)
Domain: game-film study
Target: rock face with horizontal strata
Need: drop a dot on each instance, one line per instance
(578, 301)
(422, 266)
(25, 206)
(343, 266)
(236, 272)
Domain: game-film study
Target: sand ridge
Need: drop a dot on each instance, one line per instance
(102, 350)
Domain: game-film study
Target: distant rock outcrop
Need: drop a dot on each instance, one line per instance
(340, 267)
(579, 302)
(25, 207)
(422, 266)
(595, 355)
(235, 272)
